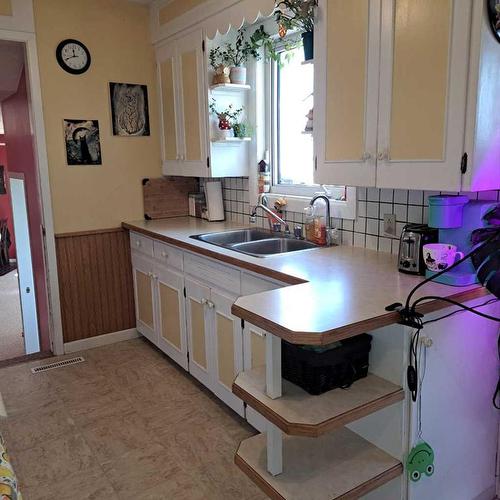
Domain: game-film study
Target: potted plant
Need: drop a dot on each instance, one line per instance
(237, 54)
(221, 70)
(297, 15)
(227, 118)
(242, 129)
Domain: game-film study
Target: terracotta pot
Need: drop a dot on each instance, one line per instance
(238, 75)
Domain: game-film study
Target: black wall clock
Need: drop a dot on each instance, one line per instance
(494, 16)
(73, 56)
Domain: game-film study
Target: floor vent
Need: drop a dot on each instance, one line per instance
(58, 364)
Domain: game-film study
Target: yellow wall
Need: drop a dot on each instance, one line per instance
(176, 8)
(5, 8)
(117, 35)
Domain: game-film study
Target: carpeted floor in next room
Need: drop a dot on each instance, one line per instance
(11, 326)
(125, 424)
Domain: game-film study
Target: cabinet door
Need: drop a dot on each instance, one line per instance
(172, 338)
(227, 348)
(346, 64)
(198, 330)
(170, 107)
(254, 356)
(423, 76)
(193, 101)
(144, 292)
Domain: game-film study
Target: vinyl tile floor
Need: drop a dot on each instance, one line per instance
(125, 424)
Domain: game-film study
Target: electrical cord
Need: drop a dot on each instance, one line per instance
(491, 301)
(411, 317)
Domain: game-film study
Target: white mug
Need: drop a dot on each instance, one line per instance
(439, 256)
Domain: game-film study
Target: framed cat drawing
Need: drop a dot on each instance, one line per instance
(129, 109)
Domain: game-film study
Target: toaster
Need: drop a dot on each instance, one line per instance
(413, 238)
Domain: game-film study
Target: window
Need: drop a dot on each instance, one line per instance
(292, 101)
(294, 154)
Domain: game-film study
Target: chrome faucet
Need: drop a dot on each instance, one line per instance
(270, 212)
(327, 222)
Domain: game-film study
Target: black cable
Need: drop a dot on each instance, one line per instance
(457, 263)
(496, 394)
(491, 301)
(454, 302)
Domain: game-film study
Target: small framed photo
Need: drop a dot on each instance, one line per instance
(83, 145)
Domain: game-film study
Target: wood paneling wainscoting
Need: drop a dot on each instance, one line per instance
(95, 283)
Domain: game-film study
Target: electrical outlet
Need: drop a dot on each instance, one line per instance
(390, 224)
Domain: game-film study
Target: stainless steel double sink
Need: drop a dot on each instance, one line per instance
(255, 242)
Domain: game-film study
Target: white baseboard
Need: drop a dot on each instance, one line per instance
(100, 340)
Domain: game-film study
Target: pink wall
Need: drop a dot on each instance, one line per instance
(21, 159)
(5, 205)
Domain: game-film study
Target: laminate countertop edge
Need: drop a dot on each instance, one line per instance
(294, 334)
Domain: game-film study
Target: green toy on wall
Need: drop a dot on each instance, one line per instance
(420, 461)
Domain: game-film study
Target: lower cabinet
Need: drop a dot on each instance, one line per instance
(171, 315)
(189, 318)
(144, 291)
(215, 339)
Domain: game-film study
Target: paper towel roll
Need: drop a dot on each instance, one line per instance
(215, 205)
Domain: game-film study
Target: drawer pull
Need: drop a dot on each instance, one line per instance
(259, 334)
(164, 254)
(210, 304)
(204, 301)
(137, 243)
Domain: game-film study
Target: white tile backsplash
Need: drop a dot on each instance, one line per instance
(367, 230)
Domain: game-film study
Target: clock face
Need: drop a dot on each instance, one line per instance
(73, 56)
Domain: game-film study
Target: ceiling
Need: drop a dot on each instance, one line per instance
(12, 63)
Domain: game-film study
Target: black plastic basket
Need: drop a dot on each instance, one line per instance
(318, 370)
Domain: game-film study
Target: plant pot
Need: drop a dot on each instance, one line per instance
(238, 75)
(221, 75)
(224, 134)
(308, 42)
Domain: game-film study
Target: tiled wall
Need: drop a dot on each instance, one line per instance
(368, 229)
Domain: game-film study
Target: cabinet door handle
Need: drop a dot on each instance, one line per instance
(210, 304)
(366, 156)
(382, 156)
(155, 277)
(137, 243)
(150, 274)
(164, 254)
(204, 301)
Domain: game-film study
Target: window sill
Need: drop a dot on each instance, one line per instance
(338, 209)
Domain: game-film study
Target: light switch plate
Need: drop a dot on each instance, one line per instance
(390, 224)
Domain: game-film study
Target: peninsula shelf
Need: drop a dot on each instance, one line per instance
(298, 413)
(339, 465)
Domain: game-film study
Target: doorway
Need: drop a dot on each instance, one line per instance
(24, 325)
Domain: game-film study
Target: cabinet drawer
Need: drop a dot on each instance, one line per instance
(141, 244)
(167, 254)
(212, 272)
(251, 284)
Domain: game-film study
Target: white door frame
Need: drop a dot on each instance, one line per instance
(36, 112)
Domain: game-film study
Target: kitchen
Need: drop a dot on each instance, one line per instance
(406, 125)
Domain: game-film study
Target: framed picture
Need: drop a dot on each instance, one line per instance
(83, 146)
(494, 16)
(129, 109)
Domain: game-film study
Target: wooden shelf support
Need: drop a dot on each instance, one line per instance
(273, 366)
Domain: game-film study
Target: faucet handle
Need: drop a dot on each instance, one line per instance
(297, 232)
(276, 227)
(252, 219)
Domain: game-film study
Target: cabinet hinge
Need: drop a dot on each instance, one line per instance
(184, 291)
(242, 323)
(187, 355)
(463, 163)
(208, 162)
(203, 45)
(315, 163)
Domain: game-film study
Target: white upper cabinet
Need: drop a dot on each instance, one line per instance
(403, 82)
(423, 84)
(182, 77)
(346, 52)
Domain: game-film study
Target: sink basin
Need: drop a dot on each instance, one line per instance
(225, 238)
(255, 242)
(273, 246)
